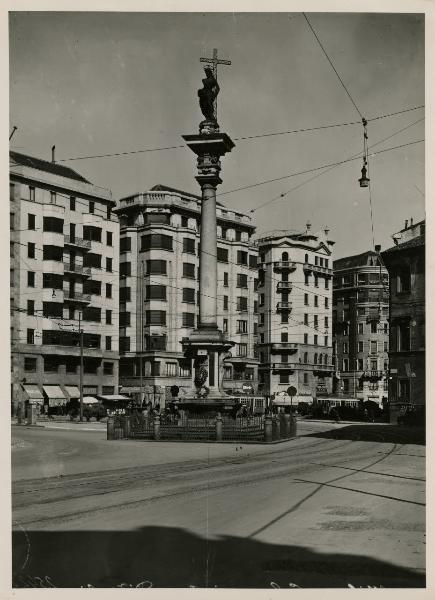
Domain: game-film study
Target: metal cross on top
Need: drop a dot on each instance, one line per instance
(215, 61)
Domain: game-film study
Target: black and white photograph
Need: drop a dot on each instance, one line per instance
(217, 299)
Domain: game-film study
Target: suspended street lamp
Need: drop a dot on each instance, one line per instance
(364, 180)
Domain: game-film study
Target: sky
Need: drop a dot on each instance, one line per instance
(102, 83)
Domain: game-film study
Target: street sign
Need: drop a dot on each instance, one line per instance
(292, 391)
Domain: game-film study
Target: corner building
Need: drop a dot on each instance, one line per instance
(295, 315)
(159, 292)
(63, 262)
(405, 262)
(360, 328)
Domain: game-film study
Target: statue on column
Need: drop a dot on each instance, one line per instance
(208, 94)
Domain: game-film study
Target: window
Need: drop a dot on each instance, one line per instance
(305, 338)
(52, 253)
(403, 337)
(30, 336)
(255, 307)
(326, 341)
(108, 368)
(345, 385)
(284, 378)
(316, 300)
(305, 378)
(225, 302)
(404, 389)
(155, 317)
(72, 203)
(374, 365)
(171, 369)
(31, 222)
(345, 348)
(125, 244)
(316, 321)
(385, 346)
(315, 358)
(156, 267)
(52, 225)
(92, 260)
(108, 213)
(188, 319)
(222, 255)
(242, 326)
(189, 270)
(306, 318)
(345, 364)
(326, 322)
(360, 327)
(108, 342)
(31, 194)
(403, 280)
(30, 279)
(385, 328)
(52, 309)
(373, 327)
(109, 290)
(252, 261)
(242, 280)
(306, 301)
(326, 284)
(30, 250)
(326, 302)
(124, 344)
(30, 307)
(360, 346)
(225, 279)
(242, 257)
(315, 339)
(284, 336)
(360, 364)
(373, 347)
(238, 235)
(51, 364)
(124, 319)
(157, 241)
(30, 364)
(109, 262)
(52, 197)
(188, 245)
(91, 206)
(108, 317)
(316, 281)
(242, 349)
(109, 238)
(125, 269)
(189, 295)
(156, 292)
(284, 317)
(242, 303)
(91, 286)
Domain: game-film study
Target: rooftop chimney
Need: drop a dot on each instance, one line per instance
(406, 224)
(326, 230)
(378, 248)
(53, 154)
(411, 222)
(308, 226)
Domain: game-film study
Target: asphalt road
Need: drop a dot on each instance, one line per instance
(311, 512)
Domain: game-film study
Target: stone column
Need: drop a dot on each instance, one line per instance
(207, 259)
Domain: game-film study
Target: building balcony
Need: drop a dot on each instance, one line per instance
(282, 366)
(283, 347)
(76, 297)
(374, 316)
(284, 265)
(374, 374)
(73, 269)
(76, 242)
(310, 268)
(284, 286)
(284, 307)
(323, 369)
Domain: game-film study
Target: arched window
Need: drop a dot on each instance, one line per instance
(320, 359)
(305, 357)
(306, 258)
(315, 358)
(284, 256)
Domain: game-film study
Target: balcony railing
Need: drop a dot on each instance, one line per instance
(284, 286)
(284, 265)
(77, 242)
(374, 374)
(284, 347)
(284, 306)
(309, 267)
(283, 366)
(77, 269)
(76, 297)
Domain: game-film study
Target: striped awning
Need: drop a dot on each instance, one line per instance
(114, 397)
(72, 391)
(90, 400)
(55, 395)
(34, 394)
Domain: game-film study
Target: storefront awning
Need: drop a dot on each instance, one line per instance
(89, 400)
(55, 395)
(72, 391)
(114, 398)
(34, 393)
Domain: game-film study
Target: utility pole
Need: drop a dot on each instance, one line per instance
(81, 365)
(141, 296)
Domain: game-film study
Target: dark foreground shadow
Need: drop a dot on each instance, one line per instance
(172, 557)
(393, 434)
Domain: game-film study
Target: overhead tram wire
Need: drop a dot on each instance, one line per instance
(355, 156)
(243, 138)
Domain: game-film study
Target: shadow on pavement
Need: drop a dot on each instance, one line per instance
(393, 434)
(173, 557)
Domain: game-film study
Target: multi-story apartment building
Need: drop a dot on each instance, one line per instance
(159, 295)
(360, 327)
(405, 262)
(295, 314)
(64, 265)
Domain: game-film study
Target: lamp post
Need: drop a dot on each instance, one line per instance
(81, 365)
